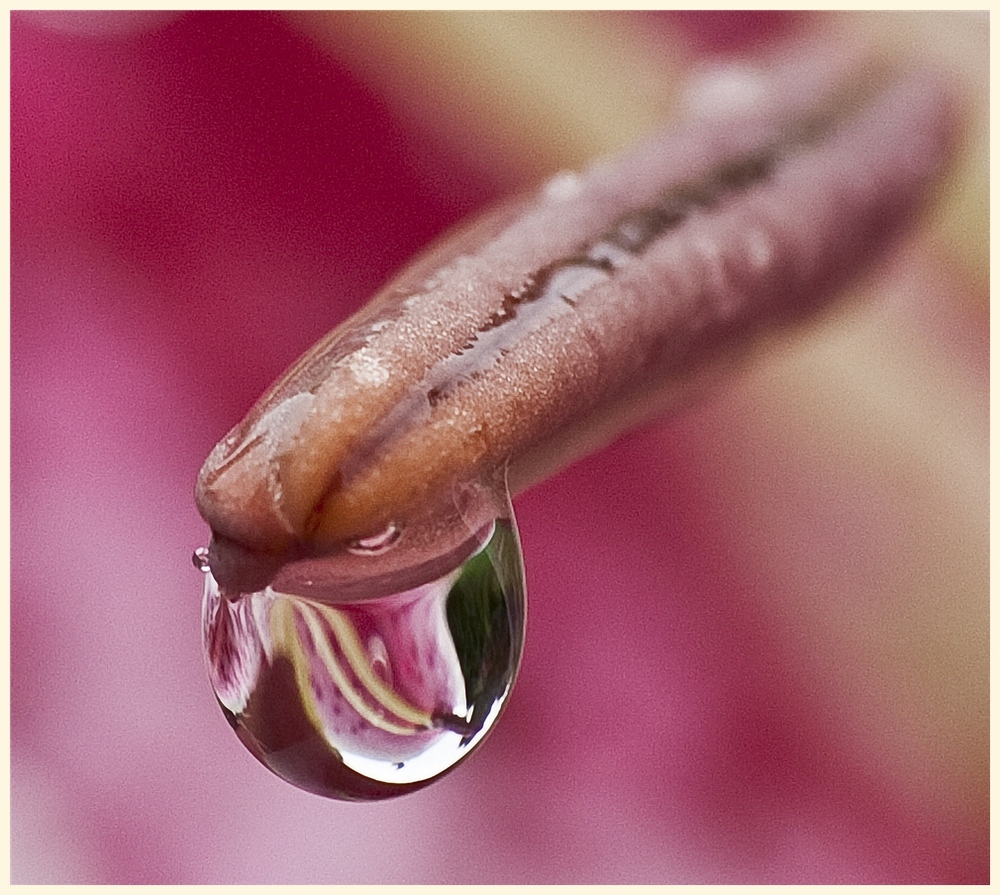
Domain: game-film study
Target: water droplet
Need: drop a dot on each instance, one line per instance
(377, 543)
(200, 559)
(374, 697)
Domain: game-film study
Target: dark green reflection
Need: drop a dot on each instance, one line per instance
(486, 619)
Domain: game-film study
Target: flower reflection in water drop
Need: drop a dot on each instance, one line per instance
(375, 697)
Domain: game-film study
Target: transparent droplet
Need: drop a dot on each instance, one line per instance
(200, 559)
(375, 697)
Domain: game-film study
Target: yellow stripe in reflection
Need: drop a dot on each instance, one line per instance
(358, 660)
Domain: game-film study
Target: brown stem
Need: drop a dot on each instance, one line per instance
(558, 316)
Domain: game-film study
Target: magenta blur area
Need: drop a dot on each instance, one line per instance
(195, 200)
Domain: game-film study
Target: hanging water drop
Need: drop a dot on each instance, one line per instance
(378, 695)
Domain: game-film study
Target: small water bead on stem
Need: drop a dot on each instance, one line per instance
(364, 609)
(200, 559)
(377, 543)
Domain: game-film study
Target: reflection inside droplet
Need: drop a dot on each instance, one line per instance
(378, 696)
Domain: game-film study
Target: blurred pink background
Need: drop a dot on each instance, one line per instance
(195, 200)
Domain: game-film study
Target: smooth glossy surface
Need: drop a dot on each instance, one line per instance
(377, 696)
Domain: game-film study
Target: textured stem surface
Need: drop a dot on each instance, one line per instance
(516, 334)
